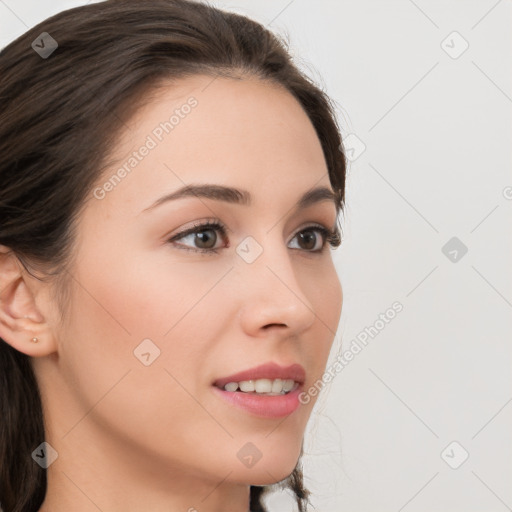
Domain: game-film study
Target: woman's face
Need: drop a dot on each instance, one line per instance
(155, 321)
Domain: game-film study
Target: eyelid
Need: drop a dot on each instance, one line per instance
(201, 224)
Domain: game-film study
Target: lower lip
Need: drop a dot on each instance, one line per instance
(260, 405)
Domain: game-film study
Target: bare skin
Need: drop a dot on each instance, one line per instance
(132, 437)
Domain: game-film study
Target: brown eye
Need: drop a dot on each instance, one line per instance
(308, 239)
(203, 237)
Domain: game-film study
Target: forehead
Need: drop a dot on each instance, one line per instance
(243, 132)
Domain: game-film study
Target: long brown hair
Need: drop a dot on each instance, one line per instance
(60, 114)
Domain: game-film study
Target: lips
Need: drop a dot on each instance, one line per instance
(265, 371)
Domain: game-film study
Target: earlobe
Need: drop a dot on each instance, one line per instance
(22, 325)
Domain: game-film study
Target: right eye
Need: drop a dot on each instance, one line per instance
(201, 228)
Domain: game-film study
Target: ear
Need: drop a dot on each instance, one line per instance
(21, 319)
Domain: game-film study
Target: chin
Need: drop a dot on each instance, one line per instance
(271, 476)
(268, 472)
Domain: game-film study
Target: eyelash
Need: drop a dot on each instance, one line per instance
(331, 237)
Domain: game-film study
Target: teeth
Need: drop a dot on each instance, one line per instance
(262, 386)
(277, 386)
(231, 386)
(288, 385)
(247, 386)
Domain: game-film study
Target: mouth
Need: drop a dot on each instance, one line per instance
(269, 378)
(263, 387)
(268, 390)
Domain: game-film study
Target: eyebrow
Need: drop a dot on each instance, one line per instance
(241, 197)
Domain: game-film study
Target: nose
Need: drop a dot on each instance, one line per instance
(272, 294)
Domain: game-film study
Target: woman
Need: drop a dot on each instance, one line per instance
(170, 185)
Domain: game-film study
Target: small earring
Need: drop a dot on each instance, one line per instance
(34, 340)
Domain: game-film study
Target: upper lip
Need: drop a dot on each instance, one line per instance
(266, 371)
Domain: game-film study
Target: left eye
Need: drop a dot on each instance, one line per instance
(309, 238)
(204, 235)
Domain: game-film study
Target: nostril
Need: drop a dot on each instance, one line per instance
(273, 325)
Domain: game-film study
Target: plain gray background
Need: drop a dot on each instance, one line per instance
(424, 96)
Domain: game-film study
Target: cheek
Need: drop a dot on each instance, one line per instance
(109, 318)
(326, 298)
(137, 311)
(325, 295)
(331, 299)
(133, 299)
